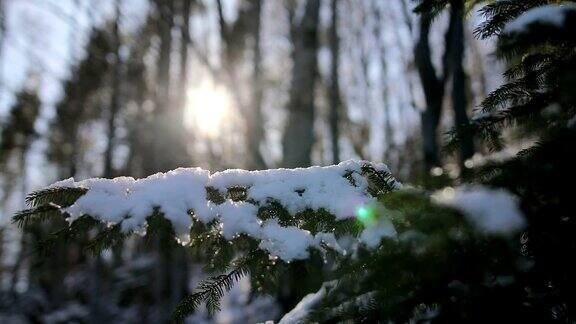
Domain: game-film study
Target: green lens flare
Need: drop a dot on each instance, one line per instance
(366, 215)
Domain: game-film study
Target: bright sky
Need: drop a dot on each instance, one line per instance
(44, 36)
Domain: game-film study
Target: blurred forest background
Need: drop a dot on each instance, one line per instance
(133, 87)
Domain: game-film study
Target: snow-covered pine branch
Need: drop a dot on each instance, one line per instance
(246, 221)
(272, 207)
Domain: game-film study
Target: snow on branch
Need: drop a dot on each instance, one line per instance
(551, 15)
(302, 310)
(232, 199)
(490, 211)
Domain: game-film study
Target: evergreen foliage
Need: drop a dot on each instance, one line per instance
(18, 130)
(79, 102)
(16, 136)
(437, 268)
(536, 100)
(235, 258)
(538, 105)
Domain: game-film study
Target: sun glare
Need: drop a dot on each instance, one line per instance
(208, 108)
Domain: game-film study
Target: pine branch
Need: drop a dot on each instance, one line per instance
(66, 234)
(489, 127)
(499, 13)
(207, 238)
(379, 182)
(517, 91)
(358, 307)
(107, 238)
(209, 292)
(160, 227)
(37, 214)
(431, 7)
(61, 196)
(214, 195)
(530, 63)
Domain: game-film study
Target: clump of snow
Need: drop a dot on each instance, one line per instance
(181, 196)
(287, 243)
(492, 211)
(554, 15)
(237, 218)
(302, 188)
(571, 122)
(302, 310)
(328, 239)
(130, 201)
(371, 236)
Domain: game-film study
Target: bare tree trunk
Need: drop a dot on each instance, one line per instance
(298, 136)
(75, 105)
(335, 99)
(162, 157)
(233, 35)
(115, 95)
(459, 99)
(433, 87)
(165, 26)
(2, 26)
(137, 91)
(99, 283)
(23, 246)
(388, 130)
(186, 9)
(179, 271)
(163, 151)
(255, 118)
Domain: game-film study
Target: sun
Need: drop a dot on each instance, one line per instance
(208, 108)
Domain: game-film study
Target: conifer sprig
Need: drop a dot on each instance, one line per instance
(37, 214)
(431, 7)
(60, 196)
(206, 238)
(541, 57)
(210, 292)
(499, 13)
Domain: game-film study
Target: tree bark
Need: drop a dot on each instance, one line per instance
(433, 92)
(335, 98)
(163, 157)
(165, 26)
(255, 118)
(298, 137)
(179, 270)
(459, 99)
(2, 26)
(185, 40)
(388, 129)
(234, 35)
(99, 282)
(115, 95)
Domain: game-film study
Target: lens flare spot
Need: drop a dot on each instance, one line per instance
(366, 215)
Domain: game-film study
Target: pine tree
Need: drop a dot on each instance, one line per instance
(436, 85)
(234, 261)
(77, 104)
(438, 265)
(18, 131)
(16, 137)
(536, 40)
